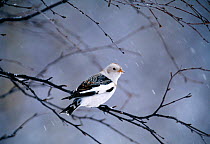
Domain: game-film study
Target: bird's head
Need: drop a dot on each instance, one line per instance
(113, 71)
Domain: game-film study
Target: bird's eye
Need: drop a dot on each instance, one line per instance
(114, 68)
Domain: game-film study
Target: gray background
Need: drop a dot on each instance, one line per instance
(146, 76)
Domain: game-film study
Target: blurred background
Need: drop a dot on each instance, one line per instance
(82, 49)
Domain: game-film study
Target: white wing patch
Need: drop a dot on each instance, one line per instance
(100, 89)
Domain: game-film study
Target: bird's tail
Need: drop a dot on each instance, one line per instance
(72, 107)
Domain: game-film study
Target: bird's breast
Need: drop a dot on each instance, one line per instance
(97, 100)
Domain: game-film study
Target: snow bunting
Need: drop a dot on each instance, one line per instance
(96, 90)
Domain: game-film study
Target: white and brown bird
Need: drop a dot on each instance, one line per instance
(96, 90)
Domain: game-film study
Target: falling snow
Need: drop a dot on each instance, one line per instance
(45, 128)
(204, 76)
(36, 43)
(153, 92)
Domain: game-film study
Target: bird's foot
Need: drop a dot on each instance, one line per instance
(104, 108)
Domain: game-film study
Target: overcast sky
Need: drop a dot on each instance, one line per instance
(38, 41)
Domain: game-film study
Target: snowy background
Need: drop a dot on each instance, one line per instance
(36, 42)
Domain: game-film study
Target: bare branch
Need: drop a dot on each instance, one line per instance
(121, 115)
(108, 125)
(14, 78)
(16, 6)
(16, 62)
(187, 96)
(165, 8)
(25, 77)
(97, 23)
(20, 18)
(18, 129)
(53, 10)
(170, 80)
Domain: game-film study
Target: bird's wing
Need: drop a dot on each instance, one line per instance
(96, 84)
(94, 81)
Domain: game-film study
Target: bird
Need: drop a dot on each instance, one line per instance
(96, 90)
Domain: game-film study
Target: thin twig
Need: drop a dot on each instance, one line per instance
(53, 10)
(97, 23)
(187, 96)
(16, 62)
(20, 18)
(121, 115)
(16, 6)
(4, 137)
(108, 125)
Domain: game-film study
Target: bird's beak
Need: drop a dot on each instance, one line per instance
(122, 71)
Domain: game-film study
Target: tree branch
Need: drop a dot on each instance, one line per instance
(18, 129)
(21, 18)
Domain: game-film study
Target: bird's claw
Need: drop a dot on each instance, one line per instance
(104, 108)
